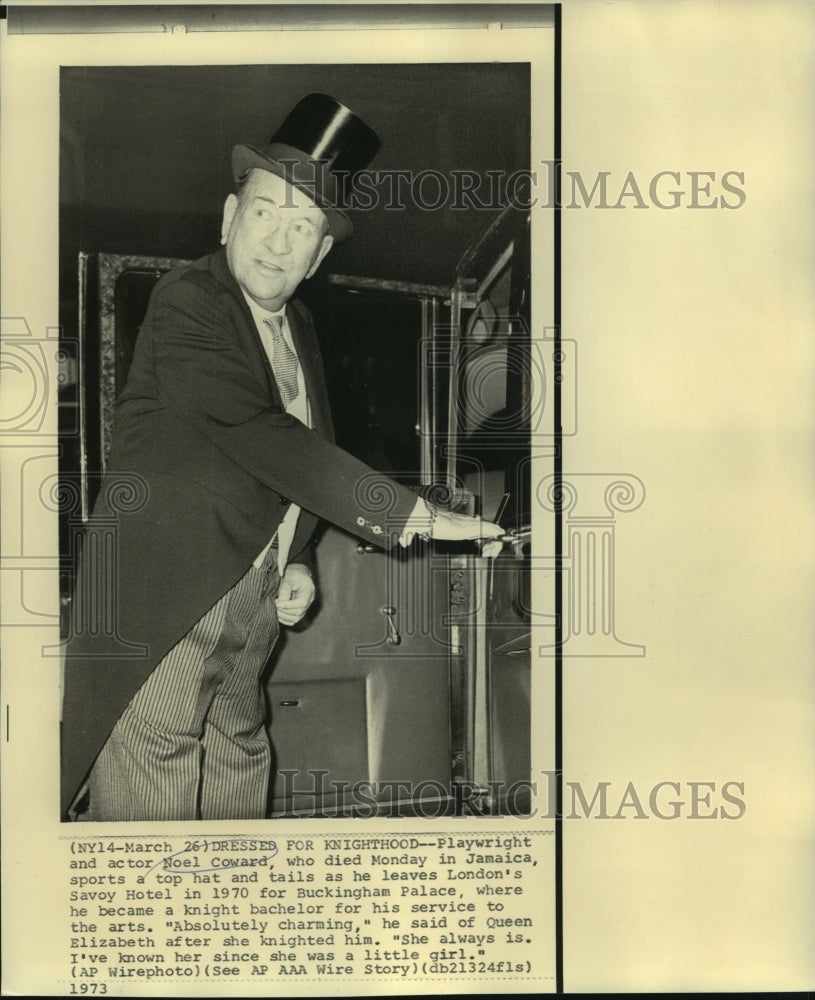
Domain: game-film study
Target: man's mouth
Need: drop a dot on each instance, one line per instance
(265, 265)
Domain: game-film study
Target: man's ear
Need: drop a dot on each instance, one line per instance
(230, 207)
(325, 246)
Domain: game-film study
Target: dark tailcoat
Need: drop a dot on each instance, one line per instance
(204, 461)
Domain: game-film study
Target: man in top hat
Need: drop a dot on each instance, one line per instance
(221, 465)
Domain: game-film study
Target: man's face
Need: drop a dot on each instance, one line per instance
(275, 237)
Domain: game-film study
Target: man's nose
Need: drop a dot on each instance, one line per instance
(277, 238)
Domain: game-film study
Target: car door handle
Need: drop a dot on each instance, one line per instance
(393, 633)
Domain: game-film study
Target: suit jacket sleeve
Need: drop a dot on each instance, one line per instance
(210, 371)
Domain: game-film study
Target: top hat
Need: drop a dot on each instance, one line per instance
(319, 148)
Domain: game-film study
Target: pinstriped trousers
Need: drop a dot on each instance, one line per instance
(192, 743)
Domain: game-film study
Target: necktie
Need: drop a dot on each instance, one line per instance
(284, 361)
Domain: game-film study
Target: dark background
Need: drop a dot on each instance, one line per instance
(145, 153)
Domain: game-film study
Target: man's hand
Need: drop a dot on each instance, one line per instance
(450, 527)
(429, 522)
(296, 594)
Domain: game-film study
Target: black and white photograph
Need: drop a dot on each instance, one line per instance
(406, 552)
(401, 678)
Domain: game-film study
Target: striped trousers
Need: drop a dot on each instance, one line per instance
(192, 743)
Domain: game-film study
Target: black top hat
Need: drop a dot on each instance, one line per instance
(319, 148)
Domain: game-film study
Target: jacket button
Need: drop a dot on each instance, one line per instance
(284, 501)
